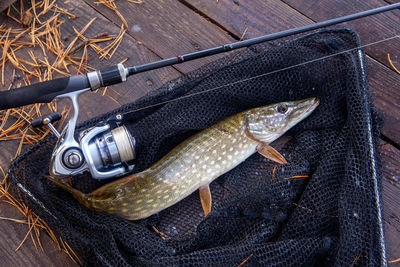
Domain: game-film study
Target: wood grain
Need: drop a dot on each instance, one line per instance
(370, 29)
(4, 4)
(11, 235)
(384, 86)
(168, 28)
(136, 86)
(393, 1)
(384, 82)
(391, 198)
(259, 17)
(136, 54)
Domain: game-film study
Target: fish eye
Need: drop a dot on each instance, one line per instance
(282, 108)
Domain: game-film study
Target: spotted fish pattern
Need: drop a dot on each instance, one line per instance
(196, 162)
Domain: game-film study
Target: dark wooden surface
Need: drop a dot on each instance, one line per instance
(165, 28)
(5, 3)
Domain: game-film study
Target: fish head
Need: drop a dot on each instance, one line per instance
(268, 123)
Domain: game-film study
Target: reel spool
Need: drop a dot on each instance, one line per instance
(108, 150)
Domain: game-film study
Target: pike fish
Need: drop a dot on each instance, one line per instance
(196, 162)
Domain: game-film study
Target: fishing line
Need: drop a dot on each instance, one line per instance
(262, 75)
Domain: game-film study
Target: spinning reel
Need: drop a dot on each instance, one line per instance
(104, 150)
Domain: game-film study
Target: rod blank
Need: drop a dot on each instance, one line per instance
(270, 37)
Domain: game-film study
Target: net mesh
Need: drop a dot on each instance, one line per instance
(259, 213)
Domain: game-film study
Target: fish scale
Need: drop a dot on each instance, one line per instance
(199, 160)
(196, 162)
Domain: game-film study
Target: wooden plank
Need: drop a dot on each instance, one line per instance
(395, 57)
(384, 83)
(384, 86)
(370, 29)
(95, 104)
(138, 54)
(136, 86)
(11, 235)
(259, 17)
(4, 4)
(169, 29)
(391, 198)
(393, 1)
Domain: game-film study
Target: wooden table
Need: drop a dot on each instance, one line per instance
(164, 28)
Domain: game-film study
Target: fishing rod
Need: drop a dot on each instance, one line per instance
(45, 92)
(107, 150)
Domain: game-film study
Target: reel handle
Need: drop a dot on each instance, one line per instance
(46, 120)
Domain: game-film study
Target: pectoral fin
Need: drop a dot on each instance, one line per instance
(270, 153)
(205, 198)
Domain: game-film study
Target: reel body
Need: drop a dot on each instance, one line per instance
(105, 150)
(101, 150)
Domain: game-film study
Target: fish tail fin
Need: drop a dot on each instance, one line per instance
(78, 195)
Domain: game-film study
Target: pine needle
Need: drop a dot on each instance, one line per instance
(356, 259)
(394, 261)
(392, 65)
(311, 211)
(243, 34)
(26, 236)
(67, 249)
(161, 234)
(273, 171)
(245, 260)
(14, 220)
(297, 176)
(111, 5)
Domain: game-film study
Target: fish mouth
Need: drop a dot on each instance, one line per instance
(304, 108)
(314, 104)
